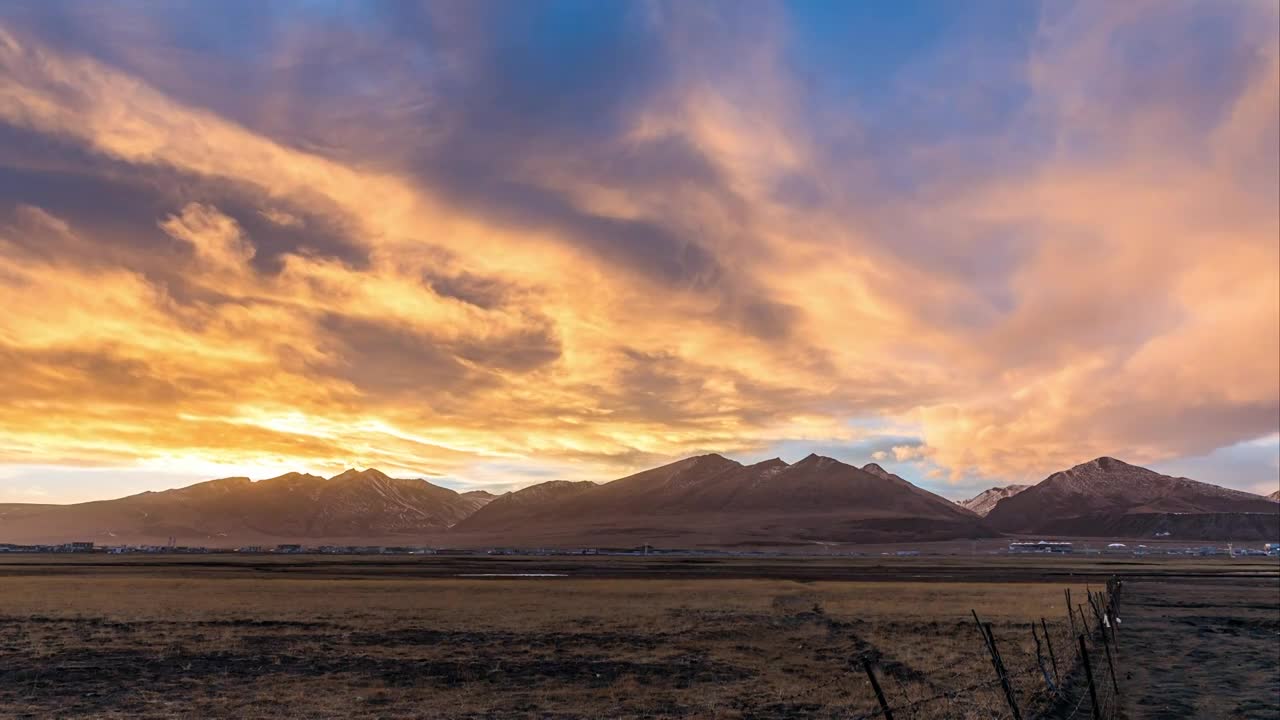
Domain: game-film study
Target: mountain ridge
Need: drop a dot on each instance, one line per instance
(703, 500)
(712, 500)
(353, 503)
(985, 501)
(1106, 496)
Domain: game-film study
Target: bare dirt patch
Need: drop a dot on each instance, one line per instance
(1204, 649)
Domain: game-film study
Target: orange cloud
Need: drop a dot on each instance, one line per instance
(591, 310)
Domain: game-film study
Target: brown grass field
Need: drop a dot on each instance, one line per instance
(266, 637)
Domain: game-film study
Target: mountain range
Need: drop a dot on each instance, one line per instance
(712, 500)
(703, 501)
(353, 504)
(985, 501)
(1108, 497)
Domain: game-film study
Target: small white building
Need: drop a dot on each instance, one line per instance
(1042, 546)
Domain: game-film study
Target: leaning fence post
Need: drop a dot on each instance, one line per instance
(1088, 674)
(1111, 667)
(998, 664)
(875, 685)
(1040, 660)
(1052, 657)
(1111, 622)
(1097, 615)
(981, 631)
(1084, 621)
(1070, 616)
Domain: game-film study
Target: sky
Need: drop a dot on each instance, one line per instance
(496, 243)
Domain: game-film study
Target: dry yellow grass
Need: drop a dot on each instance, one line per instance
(308, 638)
(255, 642)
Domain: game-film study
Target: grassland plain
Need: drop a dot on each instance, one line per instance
(601, 638)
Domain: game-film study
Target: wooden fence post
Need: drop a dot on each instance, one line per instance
(1052, 657)
(875, 685)
(998, 664)
(981, 631)
(1097, 615)
(1048, 681)
(1111, 667)
(1111, 620)
(1070, 615)
(1088, 674)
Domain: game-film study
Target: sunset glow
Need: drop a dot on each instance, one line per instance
(495, 244)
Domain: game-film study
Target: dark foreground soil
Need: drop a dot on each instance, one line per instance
(1204, 649)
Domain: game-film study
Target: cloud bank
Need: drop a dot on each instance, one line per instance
(502, 242)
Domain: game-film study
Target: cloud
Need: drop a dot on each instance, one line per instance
(905, 453)
(573, 241)
(217, 239)
(281, 218)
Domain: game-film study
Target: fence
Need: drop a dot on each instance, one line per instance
(1074, 677)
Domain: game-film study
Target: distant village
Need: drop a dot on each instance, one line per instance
(1051, 547)
(1040, 547)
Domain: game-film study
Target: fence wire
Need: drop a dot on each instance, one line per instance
(1055, 687)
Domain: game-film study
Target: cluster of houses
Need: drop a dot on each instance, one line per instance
(294, 549)
(1042, 546)
(88, 547)
(71, 547)
(282, 549)
(1053, 547)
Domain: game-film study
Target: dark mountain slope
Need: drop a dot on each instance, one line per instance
(295, 506)
(517, 508)
(1107, 497)
(711, 500)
